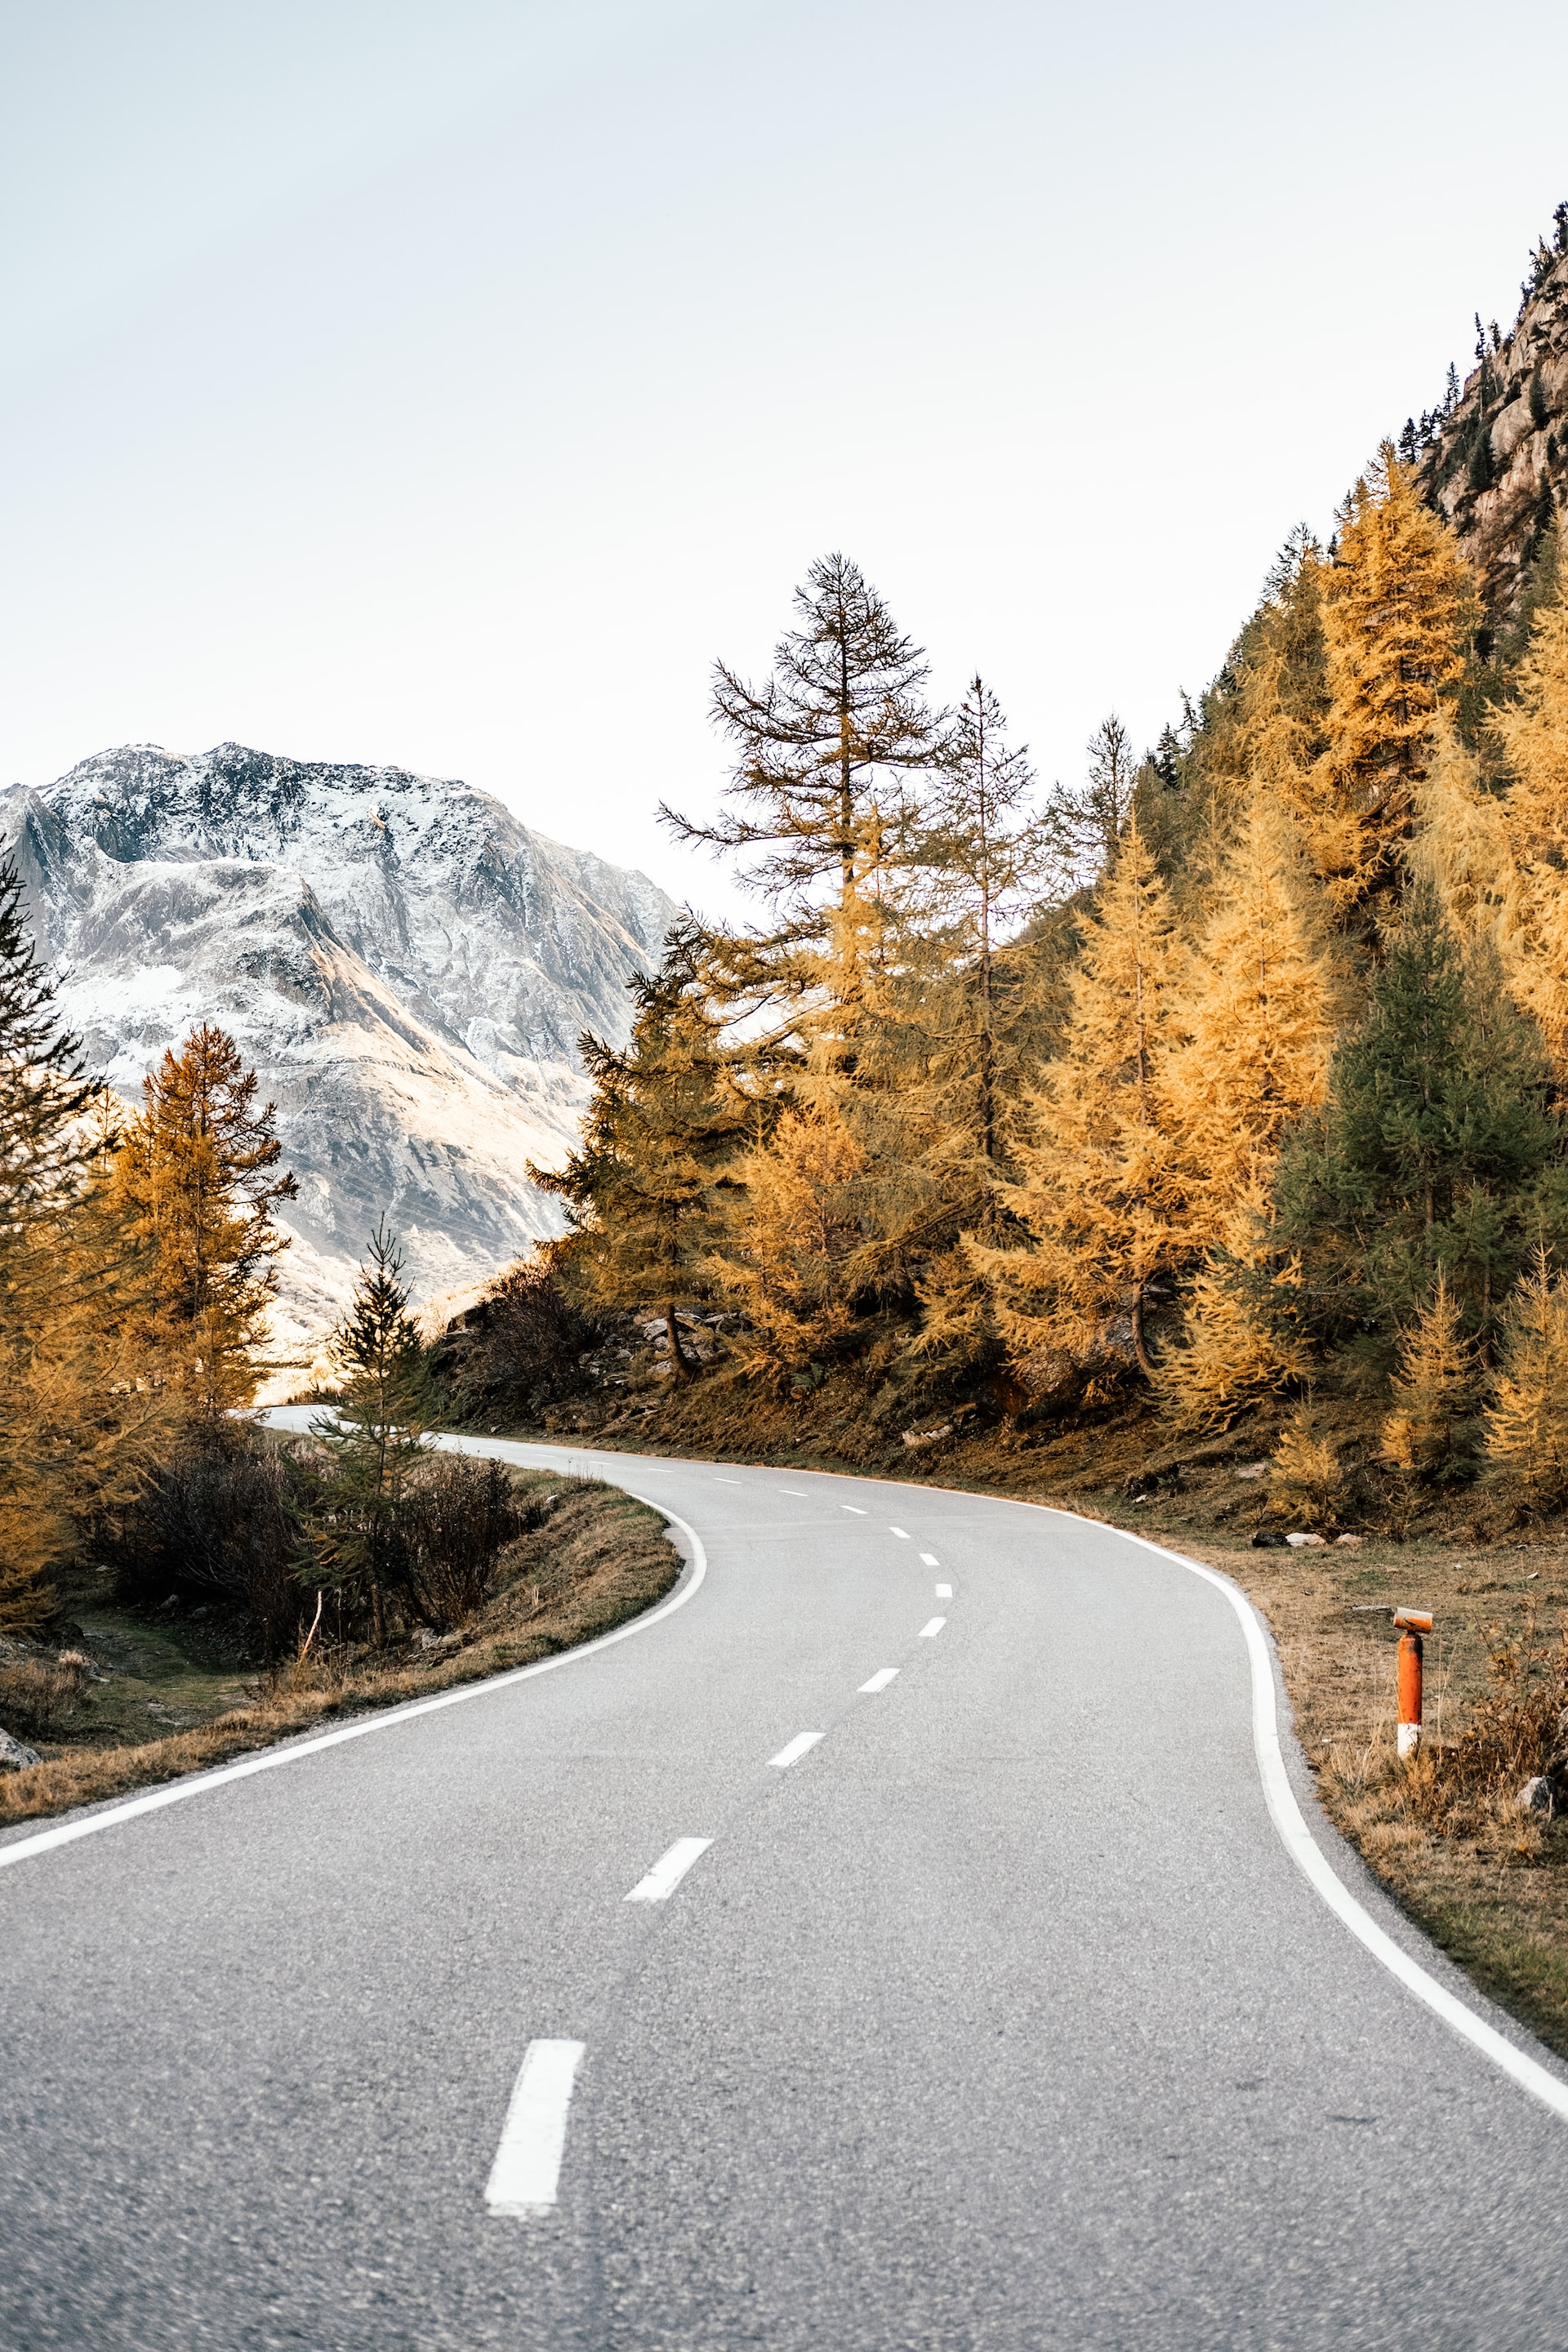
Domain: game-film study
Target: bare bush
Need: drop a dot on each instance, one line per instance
(220, 1522)
(451, 1528)
(36, 1697)
(518, 1351)
(1517, 1732)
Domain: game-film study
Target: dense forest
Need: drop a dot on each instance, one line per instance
(1231, 1079)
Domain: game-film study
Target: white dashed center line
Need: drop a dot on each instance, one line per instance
(799, 1492)
(899, 1531)
(930, 1559)
(881, 1678)
(726, 1482)
(668, 1871)
(527, 2169)
(850, 1507)
(797, 1747)
(944, 1592)
(931, 1628)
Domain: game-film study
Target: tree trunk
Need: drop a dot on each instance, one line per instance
(679, 1363)
(1139, 1346)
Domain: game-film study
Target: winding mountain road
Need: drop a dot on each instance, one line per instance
(602, 2007)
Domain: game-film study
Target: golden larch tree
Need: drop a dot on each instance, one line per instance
(1257, 1015)
(1097, 1190)
(199, 1179)
(1398, 608)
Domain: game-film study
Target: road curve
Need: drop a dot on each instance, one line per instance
(999, 2017)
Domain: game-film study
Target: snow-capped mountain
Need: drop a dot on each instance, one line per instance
(406, 965)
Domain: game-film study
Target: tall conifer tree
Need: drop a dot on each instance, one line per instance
(199, 1175)
(1256, 1015)
(1097, 1190)
(823, 746)
(1397, 611)
(646, 1192)
(1436, 1148)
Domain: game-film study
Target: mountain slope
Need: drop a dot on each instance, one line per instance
(408, 966)
(1496, 463)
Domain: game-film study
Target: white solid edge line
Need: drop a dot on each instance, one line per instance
(1291, 1826)
(527, 2169)
(880, 1679)
(668, 1871)
(931, 1628)
(196, 1784)
(796, 1748)
(1304, 1851)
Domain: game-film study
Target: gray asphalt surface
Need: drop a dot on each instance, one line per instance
(1002, 2020)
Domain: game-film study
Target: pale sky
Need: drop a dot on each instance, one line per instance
(447, 384)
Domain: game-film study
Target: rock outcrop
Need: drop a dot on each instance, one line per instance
(1495, 461)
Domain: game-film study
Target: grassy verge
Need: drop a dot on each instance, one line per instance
(599, 1558)
(1494, 1894)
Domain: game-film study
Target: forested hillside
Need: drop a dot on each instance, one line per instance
(1227, 1083)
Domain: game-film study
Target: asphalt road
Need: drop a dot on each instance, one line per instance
(1002, 2018)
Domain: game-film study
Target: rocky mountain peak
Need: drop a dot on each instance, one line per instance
(407, 965)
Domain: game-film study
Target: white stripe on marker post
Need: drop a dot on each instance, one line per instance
(668, 1871)
(799, 1747)
(527, 2169)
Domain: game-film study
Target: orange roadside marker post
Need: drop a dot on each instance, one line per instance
(1411, 1624)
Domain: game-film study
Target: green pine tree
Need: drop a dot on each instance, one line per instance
(646, 1192)
(374, 1436)
(1436, 1150)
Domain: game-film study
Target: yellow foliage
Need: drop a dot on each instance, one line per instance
(86, 1411)
(799, 1224)
(1534, 734)
(1237, 1344)
(1097, 1189)
(1398, 606)
(1527, 1421)
(1434, 1392)
(1257, 1010)
(1462, 846)
(1306, 1480)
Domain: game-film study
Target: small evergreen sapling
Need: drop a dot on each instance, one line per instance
(1307, 1479)
(1429, 1432)
(376, 1437)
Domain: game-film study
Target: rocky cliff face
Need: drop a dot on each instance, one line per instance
(1496, 462)
(406, 965)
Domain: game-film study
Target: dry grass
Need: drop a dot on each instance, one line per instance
(599, 1558)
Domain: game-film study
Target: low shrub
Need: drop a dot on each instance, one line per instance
(518, 1351)
(453, 1526)
(1518, 1731)
(220, 1522)
(36, 1697)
